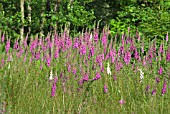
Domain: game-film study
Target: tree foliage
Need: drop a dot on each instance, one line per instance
(150, 17)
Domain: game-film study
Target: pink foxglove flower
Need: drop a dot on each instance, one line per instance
(127, 57)
(104, 39)
(114, 77)
(164, 88)
(102, 68)
(69, 68)
(142, 48)
(154, 92)
(56, 54)
(74, 71)
(48, 61)
(161, 49)
(160, 70)
(122, 102)
(147, 88)
(53, 92)
(83, 49)
(2, 39)
(95, 37)
(168, 55)
(7, 46)
(76, 43)
(105, 89)
(157, 80)
(167, 37)
(97, 76)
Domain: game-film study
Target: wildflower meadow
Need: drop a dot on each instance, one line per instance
(91, 73)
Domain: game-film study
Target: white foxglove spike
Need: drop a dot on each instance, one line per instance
(9, 66)
(108, 69)
(91, 37)
(51, 75)
(141, 74)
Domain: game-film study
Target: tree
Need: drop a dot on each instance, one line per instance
(22, 20)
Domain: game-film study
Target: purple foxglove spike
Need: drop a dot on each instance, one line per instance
(127, 57)
(157, 80)
(3, 37)
(7, 47)
(96, 37)
(164, 88)
(168, 54)
(147, 88)
(114, 77)
(53, 92)
(122, 102)
(97, 76)
(153, 92)
(161, 49)
(160, 70)
(105, 88)
(69, 68)
(167, 37)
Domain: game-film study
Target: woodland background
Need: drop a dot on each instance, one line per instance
(21, 17)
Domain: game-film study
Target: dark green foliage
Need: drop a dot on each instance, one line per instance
(150, 17)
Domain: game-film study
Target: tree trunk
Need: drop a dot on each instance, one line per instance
(22, 20)
(42, 18)
(56, 10)
(29, 16)
(48, 9)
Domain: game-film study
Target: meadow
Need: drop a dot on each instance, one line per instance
(92, 73)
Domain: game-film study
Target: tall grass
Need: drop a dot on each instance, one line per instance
(138, 81)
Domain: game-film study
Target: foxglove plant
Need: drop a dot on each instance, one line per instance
(121, 51)
(141, 75)
(108, 69)
(153, 92)
(51, 75)
(25, 41)
(74, 71)
(97, 76)
(83, 50)
(160, 70)
(7, 46)
(136, 54)
(16, 45)
(53, 92)
(157, 80)
(76, 43)
(56, 54)
(142, 48)
(102, 68)
(122, 102)
(2, 62)
(127, 57)
(69, 68)
(105, 90)
(3, 37)
(112, 55)
(147, 88)
(161, 49)
(167, 37)
(104, 40)
(164, 88)
(168, 54)
(37, 56)
(48, 61)
(96, 37)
